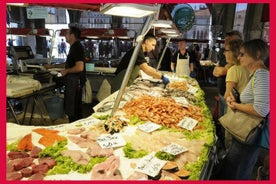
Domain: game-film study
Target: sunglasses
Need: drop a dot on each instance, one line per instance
(241, 54)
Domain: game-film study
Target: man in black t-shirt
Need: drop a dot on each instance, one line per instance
(148, 45)
(74, 75)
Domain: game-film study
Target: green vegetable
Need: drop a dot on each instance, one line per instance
(101, 117)
(132, 153)
(53, 151)
(164, 155)
(12, 146)
(65, 164)
(134, 120)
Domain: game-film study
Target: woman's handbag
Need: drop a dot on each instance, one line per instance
(242, 126)
(263, 139)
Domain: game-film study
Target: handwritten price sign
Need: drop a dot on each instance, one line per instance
(174, 149)
(110, 141)
(149, 127)
(150, 165)
(181, 100)
(187, 123)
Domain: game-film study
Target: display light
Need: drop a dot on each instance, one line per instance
(129, 10)
(169, 31)
(162, 23)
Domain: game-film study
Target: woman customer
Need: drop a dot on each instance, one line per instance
(237, 76)
(241, 158)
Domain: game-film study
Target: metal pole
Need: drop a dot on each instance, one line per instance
(132, 63)
(163, 53)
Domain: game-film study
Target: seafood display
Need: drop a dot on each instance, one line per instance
(164, 111)
(158, 133)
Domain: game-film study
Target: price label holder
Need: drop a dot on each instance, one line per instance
(174, 149)
(149, 127)
(150, 165)
(188, 123)
(111, 141)
(182, 100)
(192, 89)
(155, 94)
(122, 104)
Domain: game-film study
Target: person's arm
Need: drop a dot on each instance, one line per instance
(220, 71)
(191, 67)
(75, 69)
(48, 66)
(247, 108)
(172, 66)
(173, 62)
(229, 86)
(150, 71)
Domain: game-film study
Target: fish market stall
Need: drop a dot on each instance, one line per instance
(157, 133)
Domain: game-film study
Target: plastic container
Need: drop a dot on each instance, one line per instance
(90, 67)
(55, 107)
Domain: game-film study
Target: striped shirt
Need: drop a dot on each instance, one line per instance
(259, 96)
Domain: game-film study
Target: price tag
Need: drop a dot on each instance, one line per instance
(150, 165)
(181, 100)
(110, 141)
(174, 149)
(122, 104)
(187, 123)
(149, 127)
(155, 94)
(192, 89)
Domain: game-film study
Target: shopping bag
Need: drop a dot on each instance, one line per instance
(263, 139)
(242, 126)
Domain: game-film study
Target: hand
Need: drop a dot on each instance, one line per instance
(231, 101)
(165, 80)
(63, 72)
(47, 66)
(192, 74)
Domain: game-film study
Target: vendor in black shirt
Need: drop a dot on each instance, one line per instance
(148, 45)
(74, 75)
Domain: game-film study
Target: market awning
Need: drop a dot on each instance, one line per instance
(29, 31)
(72, 6)
(100, 32)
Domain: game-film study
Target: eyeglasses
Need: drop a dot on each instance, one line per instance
(241, 54)
(226, 50)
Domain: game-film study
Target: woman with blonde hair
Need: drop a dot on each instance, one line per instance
(237, 76)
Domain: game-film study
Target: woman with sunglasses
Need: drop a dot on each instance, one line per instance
(241, 158)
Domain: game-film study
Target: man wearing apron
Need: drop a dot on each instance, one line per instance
(74, 75)
(181, 63)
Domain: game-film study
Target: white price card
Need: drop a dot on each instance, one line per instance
(110, 141)
(174, 149)
(187, 123)
(122, 104)
(182, 100)
(149, 127)
(155, 94)
(150, 165)
(192, 89)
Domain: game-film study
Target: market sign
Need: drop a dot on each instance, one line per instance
(37, 13)
(183, 17)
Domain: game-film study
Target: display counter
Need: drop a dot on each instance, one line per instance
(24, 87)
(157, 133)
